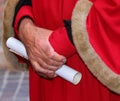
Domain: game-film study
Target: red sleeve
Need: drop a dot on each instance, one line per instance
(23, 12)
(61, 43)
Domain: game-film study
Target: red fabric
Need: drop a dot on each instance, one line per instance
(61, 43)
(50, 14)
(104, 31)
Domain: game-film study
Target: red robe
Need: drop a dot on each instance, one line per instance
(50, 14)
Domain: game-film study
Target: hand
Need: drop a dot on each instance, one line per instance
(42, 56)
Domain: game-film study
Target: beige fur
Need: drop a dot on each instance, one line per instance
(8, 32)
(85, 50)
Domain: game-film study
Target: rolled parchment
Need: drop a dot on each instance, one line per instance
(65, 71)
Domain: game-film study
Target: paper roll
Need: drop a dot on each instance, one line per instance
(69, 74)
(17, 47)
(65, 72)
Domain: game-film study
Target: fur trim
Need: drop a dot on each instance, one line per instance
(94, 63)
(8, 32)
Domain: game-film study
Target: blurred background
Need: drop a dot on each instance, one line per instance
(14, 86)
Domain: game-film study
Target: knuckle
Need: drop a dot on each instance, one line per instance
(50, 55)
(44, 65)
(49, 62)
(37, 69)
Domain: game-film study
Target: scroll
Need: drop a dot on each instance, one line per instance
(65, 71)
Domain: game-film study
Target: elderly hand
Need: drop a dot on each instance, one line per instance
(44, 59)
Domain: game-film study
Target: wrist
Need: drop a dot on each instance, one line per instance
(25, 28)
(25, 22)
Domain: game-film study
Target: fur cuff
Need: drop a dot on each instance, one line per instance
(94, 63)
(8, 32)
